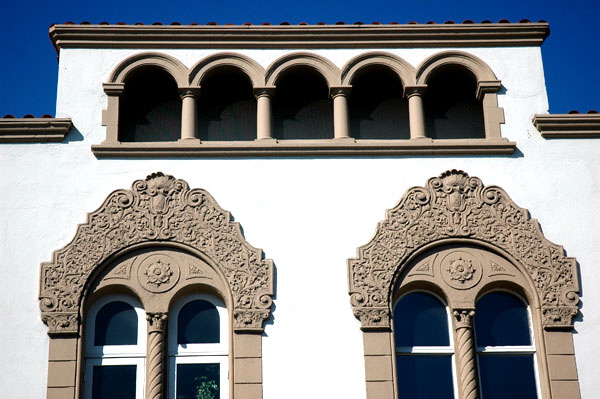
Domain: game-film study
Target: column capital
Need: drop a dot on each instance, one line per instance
(261, 91)
(113, 89)
(415, 90)
(487, 86)
(189, 91)
(463, 318)
(157, 322)
(335, 91)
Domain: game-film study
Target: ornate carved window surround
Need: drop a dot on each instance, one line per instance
(339, 82)
(159, 219)
(455, 215)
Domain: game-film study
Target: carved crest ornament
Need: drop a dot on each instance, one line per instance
(457, 206)
(161, 210)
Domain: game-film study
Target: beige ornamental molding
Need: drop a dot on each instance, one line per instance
(325, 147)
(158, 211)
(458, 208)
(34, 130)
(568, 125)
(308, 36)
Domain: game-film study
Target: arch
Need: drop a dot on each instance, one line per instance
(401, 67)
(159, 210)
(171, 65)
(457, 206)
(248, 66)
(326, 68)
(481, 70)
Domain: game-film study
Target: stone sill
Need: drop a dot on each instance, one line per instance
(568, 125)
(287, 148)
(34, 130)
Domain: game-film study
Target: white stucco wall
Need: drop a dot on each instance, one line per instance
(308, 214)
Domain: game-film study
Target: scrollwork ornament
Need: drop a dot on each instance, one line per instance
(159, 209)
(454, 206)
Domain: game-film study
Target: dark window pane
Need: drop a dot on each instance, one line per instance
(197, 381)
(503, 376)
(420, 320)
(424, 377)
(113, 382)
(198, 323)
(116, 324)
(501, 319)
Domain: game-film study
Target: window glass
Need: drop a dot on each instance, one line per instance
(501, 320)
(420, 320)
(424, 377)
(507, 376)
(198, 381)
(114, 382)
(198, 323)
(116, 324)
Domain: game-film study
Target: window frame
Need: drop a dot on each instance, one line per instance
(110, 355)
(198, 353)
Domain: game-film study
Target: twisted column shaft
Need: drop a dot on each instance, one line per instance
(465, 354)
(155, 358)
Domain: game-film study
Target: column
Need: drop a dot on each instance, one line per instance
(341, 117)
(264, 118)
(110, 116)
(465, 353)
(155, 355)
(416, 113)
(188, 112)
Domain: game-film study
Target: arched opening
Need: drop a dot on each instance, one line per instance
(150, 107)
(378, 109)
(226, 108)
(302, 108)
(452, 110)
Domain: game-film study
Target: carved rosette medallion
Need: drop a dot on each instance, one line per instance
(159, 210)
(158, 273)
(461, 270)
(456, 206)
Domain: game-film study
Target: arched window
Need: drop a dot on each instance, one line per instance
(423, 342)
(301, 106)
(150, 107)
(115, 349)
(473, 246)
(452, 110)
(198, 348)
(378, 109)
(226, 107)
(505, 348)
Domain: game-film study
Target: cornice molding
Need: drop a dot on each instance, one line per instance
(34, 130)
(277, 148)
(288, 36)
(568, 125)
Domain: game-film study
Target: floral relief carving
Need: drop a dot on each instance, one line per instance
(458, 206)
(158, 273)
(461, 270)
(158, 209)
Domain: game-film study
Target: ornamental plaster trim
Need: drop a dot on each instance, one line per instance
(161, 210)
(565, 126)
(405, 71)
(322, 65)
(171, 65)
(253, 71)
(34, 130)
(457, 206)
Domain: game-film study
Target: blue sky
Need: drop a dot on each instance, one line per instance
(28, 71)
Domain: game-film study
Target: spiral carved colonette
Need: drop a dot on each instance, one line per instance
(161, 210)
(465, 354)
(157, 323)
(457, 206)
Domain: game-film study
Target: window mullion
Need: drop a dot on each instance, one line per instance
(465, 353)
(155, 374)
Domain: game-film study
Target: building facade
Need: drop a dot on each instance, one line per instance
(358, 211)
